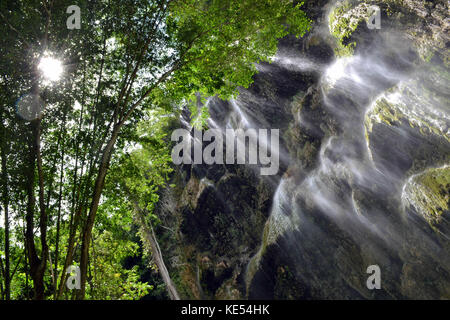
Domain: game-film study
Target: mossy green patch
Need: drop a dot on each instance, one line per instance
(401, 104)
(344, 19)
(429, 193)
(341, 28)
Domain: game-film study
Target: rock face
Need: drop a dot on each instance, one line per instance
(425, 23)
(428, 193)
(364, 176)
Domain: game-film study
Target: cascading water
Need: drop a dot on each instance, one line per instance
(363, 179)
(347, 213)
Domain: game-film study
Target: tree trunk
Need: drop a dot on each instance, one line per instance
(98, 188)
(37, 265)
(2, 272)
(150, 238)
(58, 219)
(76, 206)
(5, 202)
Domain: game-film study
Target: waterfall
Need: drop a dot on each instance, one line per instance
(361, 186)
(364, 181)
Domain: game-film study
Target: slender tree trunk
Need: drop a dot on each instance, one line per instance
(5, 202)
(43, 219)
(70, 251)
(7, 252)
(58, 219)
(150, 238)
(29, 233)
(2, 272)
(37, 265)
(98, 188)
(58, 230)
(75, 211)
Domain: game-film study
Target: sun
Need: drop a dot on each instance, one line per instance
(51, 68)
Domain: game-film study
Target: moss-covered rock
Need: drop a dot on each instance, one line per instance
(425, 22)
(409, 123)
(390, 110)
(344, 19)
(429, 194)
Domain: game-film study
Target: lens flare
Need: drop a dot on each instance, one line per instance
(51, 68)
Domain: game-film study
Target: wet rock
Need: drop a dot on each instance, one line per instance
(429, 194)
(355, 135)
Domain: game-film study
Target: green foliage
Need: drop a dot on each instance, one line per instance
(139, 173)
(199, 116)
(219, 42)
(109, 280)
(145, 167)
